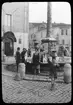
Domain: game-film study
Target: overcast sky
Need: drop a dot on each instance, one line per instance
(61, 11)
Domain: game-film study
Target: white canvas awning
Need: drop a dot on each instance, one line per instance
(49, 39)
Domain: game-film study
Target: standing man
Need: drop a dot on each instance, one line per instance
(23, 55)
(53, 70)
(36, 61)
(29, 53)
(41, 55)
(18, 57)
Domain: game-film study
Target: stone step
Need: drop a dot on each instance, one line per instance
(9, 60)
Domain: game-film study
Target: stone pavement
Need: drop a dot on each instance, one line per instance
(34, 89)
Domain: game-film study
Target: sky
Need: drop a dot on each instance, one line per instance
(61, 11)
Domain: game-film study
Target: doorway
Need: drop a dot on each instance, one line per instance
(8, 40)
(9, 48)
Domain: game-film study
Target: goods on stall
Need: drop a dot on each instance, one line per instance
(29, 59)
(45, 58)
(67, 73)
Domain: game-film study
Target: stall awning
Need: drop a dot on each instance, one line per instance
(9, 34)
(49, 39)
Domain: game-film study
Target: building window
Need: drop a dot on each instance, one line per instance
(19, 41)
(41, 27)
(8, 20)
(31, 36)
(63, 41)
(41, 35)
(57, 38)
(66, 32)
(34, 36)
(62, 32)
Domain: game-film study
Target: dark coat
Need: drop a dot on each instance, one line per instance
(18, 57)
(36, 59)
(23, 56)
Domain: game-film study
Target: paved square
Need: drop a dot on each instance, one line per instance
(31, 91)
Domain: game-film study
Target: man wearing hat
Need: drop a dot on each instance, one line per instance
(36, 61)
(23, 55)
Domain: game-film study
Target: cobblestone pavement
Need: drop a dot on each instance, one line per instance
(28, 91)
(33, 89)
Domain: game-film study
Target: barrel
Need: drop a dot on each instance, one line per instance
(67, 73)
(21, 70)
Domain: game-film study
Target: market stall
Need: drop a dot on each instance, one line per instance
(45, 65)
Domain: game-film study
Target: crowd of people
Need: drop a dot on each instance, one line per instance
(20, 57)
(36, 59)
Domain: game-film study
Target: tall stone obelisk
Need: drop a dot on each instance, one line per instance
(49, 19)
(49, 25)
(52, 41)
(26, 26)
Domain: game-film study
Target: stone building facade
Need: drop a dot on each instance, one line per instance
(24, 31)
(15, 25)
(61, 32)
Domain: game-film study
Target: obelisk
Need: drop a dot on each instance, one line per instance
(26, 26)
(49, 24)
(49, 19)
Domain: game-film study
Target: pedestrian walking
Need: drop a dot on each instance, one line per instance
(18, 57)
(36, 61)
(23, 55)
(53, 71)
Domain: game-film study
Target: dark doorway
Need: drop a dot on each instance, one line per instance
(9, 39)
(9, 49)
